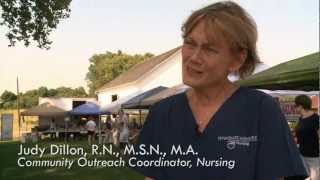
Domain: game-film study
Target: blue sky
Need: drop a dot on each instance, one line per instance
(287, 29)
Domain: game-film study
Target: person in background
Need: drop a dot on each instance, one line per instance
(109, 122)
(108, 130)
(53, 128)
(123, 117)
(307, 136)
(134, 124)
(91, 128)
(124, 135)
(133, 131)
(53, 125)
(116, 130)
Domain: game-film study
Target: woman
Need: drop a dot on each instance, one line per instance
(235, 132)
(307, 134)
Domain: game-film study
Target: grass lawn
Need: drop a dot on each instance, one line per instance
(9, 168)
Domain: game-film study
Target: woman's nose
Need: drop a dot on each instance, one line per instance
(196, 55)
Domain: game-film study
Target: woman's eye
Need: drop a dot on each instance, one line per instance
(189, 43)
(211, 50)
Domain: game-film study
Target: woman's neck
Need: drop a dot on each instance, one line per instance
(306, 113)
(207, 95)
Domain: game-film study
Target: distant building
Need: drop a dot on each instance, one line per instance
(162, 70)
(66, 104)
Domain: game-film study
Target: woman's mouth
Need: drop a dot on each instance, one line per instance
(194, 71)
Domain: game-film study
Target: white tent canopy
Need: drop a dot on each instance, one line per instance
(289, 92)
(115, 106)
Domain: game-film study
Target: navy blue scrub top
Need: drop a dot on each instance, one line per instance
(248, 138)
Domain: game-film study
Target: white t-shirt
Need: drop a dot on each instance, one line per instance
(125, 119)
(91, 125)
(124, 135)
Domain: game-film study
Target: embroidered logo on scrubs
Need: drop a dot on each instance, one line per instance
(233, 141)
(231, 145)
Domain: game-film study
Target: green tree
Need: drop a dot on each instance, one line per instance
(8, 100)
(69, 92)
(64, 92)
(8, 96)
(32, 20)
(79, 92)
(52, 92)
(30, 98)
(107, 66)
(9, 104)
(43, 92)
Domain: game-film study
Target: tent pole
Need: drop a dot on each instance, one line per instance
(140, 118)
(100, 130)
(18, 107)
(65, 131)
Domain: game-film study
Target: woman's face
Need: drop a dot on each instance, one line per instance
(205, 64)
(298, 108)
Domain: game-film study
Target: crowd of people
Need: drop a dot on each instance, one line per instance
(116, 130)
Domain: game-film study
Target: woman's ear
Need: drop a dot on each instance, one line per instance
(243, 56)
(240, 58)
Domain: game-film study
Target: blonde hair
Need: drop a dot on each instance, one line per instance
(232, 23)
